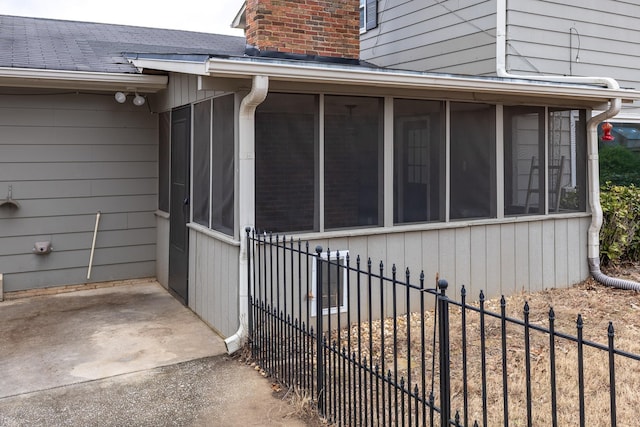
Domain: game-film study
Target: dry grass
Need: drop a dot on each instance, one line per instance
(598, 306)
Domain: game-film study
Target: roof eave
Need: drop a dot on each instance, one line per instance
(80, 80)
(406, 80)
(291, 71)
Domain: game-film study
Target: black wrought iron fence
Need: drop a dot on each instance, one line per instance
(375, 348)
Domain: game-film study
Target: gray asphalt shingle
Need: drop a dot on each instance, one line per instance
(84, 46)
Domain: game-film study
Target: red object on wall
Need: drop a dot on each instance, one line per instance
(606, 131)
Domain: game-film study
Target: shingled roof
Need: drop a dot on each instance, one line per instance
(91, 47)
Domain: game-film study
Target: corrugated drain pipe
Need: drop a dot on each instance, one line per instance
(246, 184)
(593, 237)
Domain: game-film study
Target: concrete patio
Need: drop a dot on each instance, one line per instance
(123, 355)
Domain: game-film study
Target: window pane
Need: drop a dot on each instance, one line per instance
(418, 152)
(201, 144)
(222, 164)
(567, 161)
(353, 161)
(523, 157)
(286, 147)
(164, 147)
(473, 168)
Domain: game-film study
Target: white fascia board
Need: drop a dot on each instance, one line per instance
(80, 80)
(402, 80)
(184, 67)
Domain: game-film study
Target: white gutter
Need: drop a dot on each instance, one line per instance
(80, 80)
(593, 167)
(246, 208)
(198, 68)
(292, 71)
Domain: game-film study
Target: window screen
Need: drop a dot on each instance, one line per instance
(286, 165)
(566, 166)
(164, 167)
(524, 160)
(222, 165)
(201, 161)
(418, 152)
(353, 161)
(473, 161)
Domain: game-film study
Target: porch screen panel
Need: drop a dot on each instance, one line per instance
(524, 160)
(164, 166)
(286, 165)
(352, 161)
(418, 151)
(201, 158)
(222, 164)
(566, 166)
(473, 161)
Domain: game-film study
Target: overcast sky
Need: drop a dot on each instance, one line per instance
(209, 16)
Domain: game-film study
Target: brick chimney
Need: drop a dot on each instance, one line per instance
(315, 28)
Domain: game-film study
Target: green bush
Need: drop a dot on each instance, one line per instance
(619, 165)
(620, 233)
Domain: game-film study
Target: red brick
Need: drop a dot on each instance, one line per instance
(313, 27)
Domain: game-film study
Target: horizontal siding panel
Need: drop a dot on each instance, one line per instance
(23, 135)
(87, 153)
(71, 170)
(73, 241)
(37, 280)
(79, 206)
(12, 116)
(470, 61)
(26, 190)
(19, 226)
(414, 34)
(60, 260)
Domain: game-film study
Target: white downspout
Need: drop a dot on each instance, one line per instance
(593, 169)
(593, 237)
(246, 204)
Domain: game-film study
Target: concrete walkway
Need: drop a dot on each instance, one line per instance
(125, 355)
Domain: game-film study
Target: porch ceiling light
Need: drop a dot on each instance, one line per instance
(138, 100)
(121, 97)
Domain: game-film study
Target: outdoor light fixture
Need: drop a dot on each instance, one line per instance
(121, 97)
(138, 100)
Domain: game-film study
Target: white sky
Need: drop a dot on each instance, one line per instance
(208, 16)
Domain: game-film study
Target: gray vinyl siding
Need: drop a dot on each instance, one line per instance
(213, 263)
(539, 39)
(449, 36)
(67, 157)
(497, 259)
(182, 90)
(214, 281)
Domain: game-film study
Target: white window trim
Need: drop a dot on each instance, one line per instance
(363, 12)
(341, 257)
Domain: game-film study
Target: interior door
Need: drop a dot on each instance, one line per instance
(179, 208)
